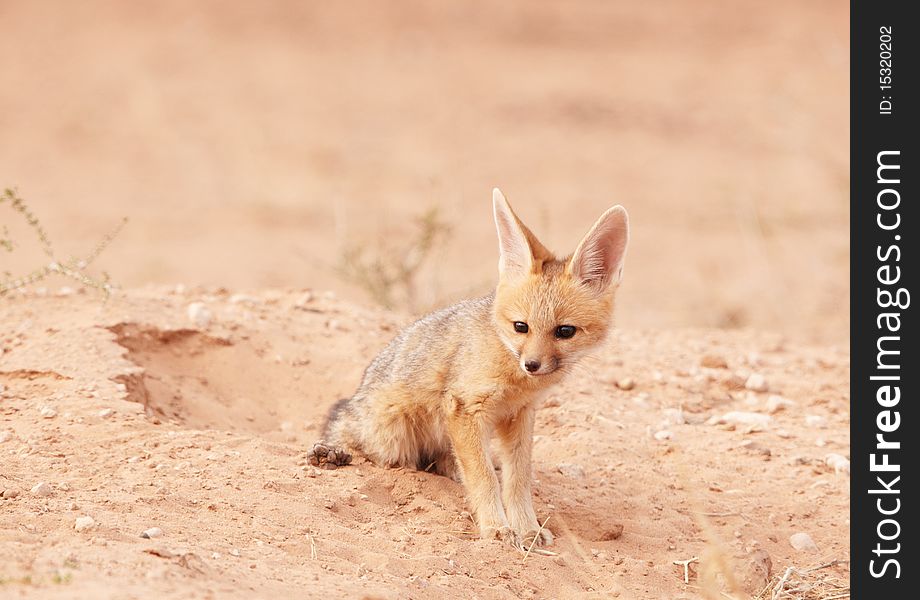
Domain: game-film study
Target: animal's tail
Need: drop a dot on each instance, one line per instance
(334, 413)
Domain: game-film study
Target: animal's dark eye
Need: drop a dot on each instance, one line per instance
(565, 331)
(520, 327)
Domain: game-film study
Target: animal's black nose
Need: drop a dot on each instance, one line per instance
(532, 366)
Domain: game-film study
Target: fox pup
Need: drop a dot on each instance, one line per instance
(450, 382)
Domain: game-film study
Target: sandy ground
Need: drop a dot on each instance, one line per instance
(252, 146)
(135, 417)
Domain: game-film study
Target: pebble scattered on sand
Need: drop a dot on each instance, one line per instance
(663, 435)
(674, 415)
(756, 448)
(305, 299)
(153, 532)
(199, 314)
(742, 418)
(5, 436)
(105, 413)
(48, 413)
(756, 383)
(626, 383)
(839, 463)
(802, 541)
(756, 569)
(777, 403)
(83, 523)
(571, 470)
(42, 489)
(815, 421)
(10, 494)
(243, 299)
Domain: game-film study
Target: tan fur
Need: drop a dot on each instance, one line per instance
(449, 383)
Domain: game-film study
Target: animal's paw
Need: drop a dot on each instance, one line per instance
(544, 538)
(504, 534)
(328, 457)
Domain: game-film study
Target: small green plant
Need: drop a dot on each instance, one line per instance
(389, 274)
(73, 268)
(62, 578)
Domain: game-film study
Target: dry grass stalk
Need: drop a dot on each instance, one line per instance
(806, 584)
(534, 541)
(73, 268)
(389, 273)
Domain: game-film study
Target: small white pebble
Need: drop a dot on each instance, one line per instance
(662, 435)
(234, 552)
(742, 418)
(751, 399)
(802, 541)
(626, 383)
(757, 383)
(777, 403)
(199, 314)
(42, 489)
(674, 415)
(83, 523)
(815, 421)
(153, 532)
(105, 413)
(304, 299)
(5, 436)
(243, 299)
(839, 463)
(48, 413)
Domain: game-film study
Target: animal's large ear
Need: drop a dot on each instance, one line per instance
(520, 251)
(598, 260)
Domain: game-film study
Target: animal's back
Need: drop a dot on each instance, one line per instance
(396, 415)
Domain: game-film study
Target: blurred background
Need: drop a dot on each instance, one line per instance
(353, 146)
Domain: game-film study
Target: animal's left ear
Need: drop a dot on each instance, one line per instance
(598, 260)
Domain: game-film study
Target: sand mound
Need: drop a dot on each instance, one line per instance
(138, 414)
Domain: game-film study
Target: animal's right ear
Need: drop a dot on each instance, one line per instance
(518, 248)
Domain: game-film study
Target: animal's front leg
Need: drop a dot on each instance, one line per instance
(470, 440)
(515, 438)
